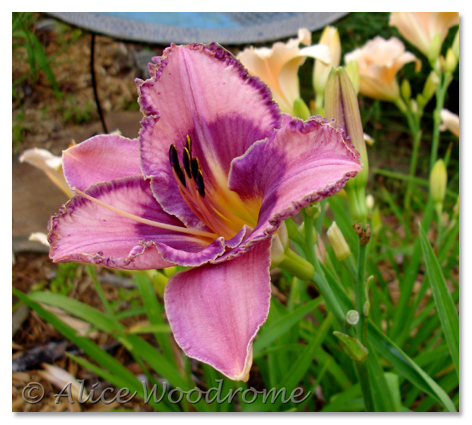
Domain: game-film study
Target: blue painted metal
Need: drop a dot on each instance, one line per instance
(204, 27)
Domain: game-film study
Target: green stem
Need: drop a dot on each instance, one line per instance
(363, 376)
(414, 126)
(440, 95)
(320, 279)
(439, 238)
(414, 161)
(350, 266)
(361, 295)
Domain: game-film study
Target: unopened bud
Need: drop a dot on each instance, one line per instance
(369, 200)
(434, 48)
(368, 140)
(352, 69)
(170, 271)
(330, 38)
(438, 182)
(406, 90)
(455, 45)
(413, 106)
(301, 110)
(337, 241)
(421, 101)
(279, 246)
(341, 104)
(430, 86)
(451, 61)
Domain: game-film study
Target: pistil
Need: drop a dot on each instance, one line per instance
(195, 232)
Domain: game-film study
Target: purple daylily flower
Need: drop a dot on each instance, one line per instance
(214, 173)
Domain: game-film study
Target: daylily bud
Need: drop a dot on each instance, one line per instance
(430, 86)
(330, 38)
(368, 139)
(352, 69)
(421, 102)
(437, 66)
(337, 241)
(434, 48)
(438, 182)
(406, 90)
(455, 45)
(353, 348)
(341, 103)
(369, 200)
(279, 246)
(301, 110)
(413, 106)
(451, 61)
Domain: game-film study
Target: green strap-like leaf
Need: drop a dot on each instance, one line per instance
(407, 367)
(442, 297)
(283, 324)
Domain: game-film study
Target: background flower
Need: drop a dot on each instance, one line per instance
(379, 60)
(419, 28)
(278, 66)
(450, 121)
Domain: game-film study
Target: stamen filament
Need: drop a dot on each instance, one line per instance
(212, 236)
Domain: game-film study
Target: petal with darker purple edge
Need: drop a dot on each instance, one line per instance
(303, 162)
(84, 231)
(216, 310)
(204, 92)
(100, 158)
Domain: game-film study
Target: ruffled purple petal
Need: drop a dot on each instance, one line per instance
(303, 162)
(204, 92)
(101, 158)
(83, 231)
(216, 310)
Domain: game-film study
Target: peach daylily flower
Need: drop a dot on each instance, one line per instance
(450, 122)
(278, 66)
(419, 28)
(379, 60)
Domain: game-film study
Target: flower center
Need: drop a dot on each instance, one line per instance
(189, 177)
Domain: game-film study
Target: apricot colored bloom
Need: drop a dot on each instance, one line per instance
(330, 38)
(278, 66)
(450, 121)
(215, 171)
(379, 60)
(419, 28)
